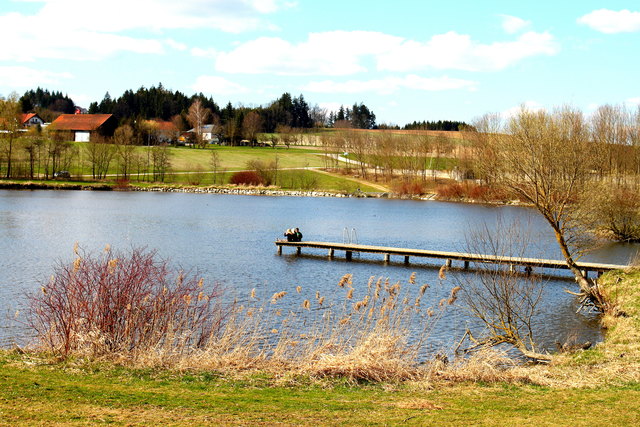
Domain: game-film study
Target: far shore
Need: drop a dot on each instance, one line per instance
(234, 190)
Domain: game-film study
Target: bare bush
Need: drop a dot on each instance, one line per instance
(505, 302)
(246, 178)
(127, 304)
(409, 187)
(616, 212)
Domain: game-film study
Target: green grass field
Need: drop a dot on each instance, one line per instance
(286, 179)
(236, 158)
(37, 391)
(431, 163)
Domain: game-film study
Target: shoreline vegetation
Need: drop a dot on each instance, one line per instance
(241, 190)
(99, 380)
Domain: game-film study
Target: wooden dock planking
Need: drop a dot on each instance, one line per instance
(349, 249)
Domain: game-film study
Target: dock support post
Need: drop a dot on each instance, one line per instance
(331, 253)
(298, 250)
(512, 268)
(279, 250)
(448, 263)
(406, 259)
(466, 265)
(585, 273)
(349, 255)
(387, 257)
(600, 272)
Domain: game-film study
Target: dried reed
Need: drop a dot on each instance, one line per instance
(127, 307)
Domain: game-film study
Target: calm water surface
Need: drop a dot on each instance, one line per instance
(230, 239)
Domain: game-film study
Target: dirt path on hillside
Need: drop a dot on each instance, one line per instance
(359, 181)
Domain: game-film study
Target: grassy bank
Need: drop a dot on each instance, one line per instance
(306, 180)
(600, 385)
(38, 391)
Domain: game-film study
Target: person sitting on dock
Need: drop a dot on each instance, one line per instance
(290, 235)
(297, 235)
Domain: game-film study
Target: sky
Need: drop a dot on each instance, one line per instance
(406, 60)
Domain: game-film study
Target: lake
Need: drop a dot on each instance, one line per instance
(230, 240)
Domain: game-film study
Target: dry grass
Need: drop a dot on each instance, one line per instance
(363, 337)
(615, 361)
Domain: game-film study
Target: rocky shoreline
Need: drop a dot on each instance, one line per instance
(271, 192)
(238, 191)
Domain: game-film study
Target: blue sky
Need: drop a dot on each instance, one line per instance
(406, 60)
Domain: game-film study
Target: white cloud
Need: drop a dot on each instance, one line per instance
(176, 45)
(513, 24)
(92, 29)
(458, 51)
(29, 44)
(527, 105)
(611, 21)
(390, 85)
(333, 53)
(330, 106)
(217, 85)
(339, 53)
(204, 53)
(82, 99)
(120, 15)
(633, 102)
(16, 77)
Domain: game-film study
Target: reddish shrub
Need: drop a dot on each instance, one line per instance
(121, 184)
(470, 190)
(246, 178)
(477, 192)
(122, 303)
(450, 191)
(409, 188)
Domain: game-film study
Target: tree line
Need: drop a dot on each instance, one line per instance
(159, 103)
(444, 125)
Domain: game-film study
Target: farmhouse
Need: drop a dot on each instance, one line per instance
(166, 132)
(207, 133)
(31, 119)
(83, 126)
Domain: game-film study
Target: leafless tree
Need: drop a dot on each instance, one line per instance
(198, 116)
(285, 134)
(100, 154)
(10, 123)
(251, 125)
(318, 116)
(504, 302)
(161, 161)
(123, 140)
(546, 159)
(215, 162)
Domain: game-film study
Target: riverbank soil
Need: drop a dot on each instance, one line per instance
(596, 386)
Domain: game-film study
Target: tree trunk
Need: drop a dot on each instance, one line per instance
(584, 283)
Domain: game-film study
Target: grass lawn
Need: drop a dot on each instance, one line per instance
(431, 163)
(184, 159)
(236, 158)
(307, 180)
(34, 391)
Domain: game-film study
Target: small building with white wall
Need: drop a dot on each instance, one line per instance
(83, 126)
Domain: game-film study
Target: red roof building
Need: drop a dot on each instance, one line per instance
(84, 125)
(31, 119)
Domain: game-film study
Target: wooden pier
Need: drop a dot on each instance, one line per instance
(449, 257)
